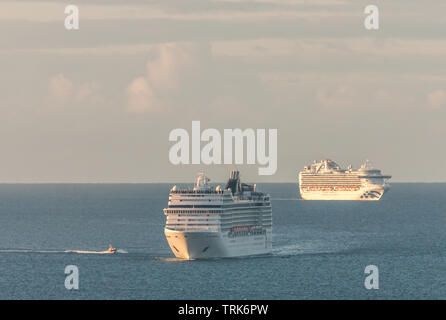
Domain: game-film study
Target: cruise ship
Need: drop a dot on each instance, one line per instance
(326, 180)
(212, 222)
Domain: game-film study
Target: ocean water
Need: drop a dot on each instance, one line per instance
(320, 248)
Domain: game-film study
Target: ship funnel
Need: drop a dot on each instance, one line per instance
(235, 174)
(234, 182)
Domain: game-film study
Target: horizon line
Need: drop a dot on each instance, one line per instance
(188, 182)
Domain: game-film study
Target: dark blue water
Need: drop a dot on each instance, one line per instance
(320, 248)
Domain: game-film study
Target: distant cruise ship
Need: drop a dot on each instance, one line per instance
(207, 222)
(325, 180)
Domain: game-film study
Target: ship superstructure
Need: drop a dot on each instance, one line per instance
(212, 222)
(326, 180)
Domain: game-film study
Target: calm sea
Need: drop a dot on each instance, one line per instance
(320, 248)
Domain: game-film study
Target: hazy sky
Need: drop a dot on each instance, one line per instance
(97, 104)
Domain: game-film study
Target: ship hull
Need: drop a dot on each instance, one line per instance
(363, 194)
(207, 245)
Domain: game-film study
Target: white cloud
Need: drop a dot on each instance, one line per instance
(140, 96)
(174, 75)
(437, 98)
(173, 62)
(341, 97)
(62, 91)
(60, 87)
(187, 77)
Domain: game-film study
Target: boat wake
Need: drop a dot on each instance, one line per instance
(304, 247)
(288, 250)
(110, 250)
(29, 251)
(89, 252)
(172, 259)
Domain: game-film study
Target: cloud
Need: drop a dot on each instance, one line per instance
(192, 10)
(60, 87)
(176, 75)
(437, 98)
(176, 62)
(341, 97)
(187, 77)
(170, 72)
(62, 91)
(140, 96)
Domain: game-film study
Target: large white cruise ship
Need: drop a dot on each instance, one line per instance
(207, 222)
(325, 180)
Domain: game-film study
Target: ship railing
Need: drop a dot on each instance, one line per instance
(207, 191)
(193, 229)
(247, 232)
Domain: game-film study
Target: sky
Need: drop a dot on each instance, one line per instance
(97, 104)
